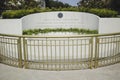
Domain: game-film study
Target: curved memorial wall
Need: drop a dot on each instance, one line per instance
(61, 19)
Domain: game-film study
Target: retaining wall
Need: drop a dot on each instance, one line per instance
(11, 26)
(109, 25)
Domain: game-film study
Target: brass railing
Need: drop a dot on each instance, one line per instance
(60, 52)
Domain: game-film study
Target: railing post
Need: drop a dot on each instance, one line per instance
(19, 53)
(91, 53)
(96, 52)
(25, 52)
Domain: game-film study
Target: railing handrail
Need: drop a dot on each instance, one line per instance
(60, 36)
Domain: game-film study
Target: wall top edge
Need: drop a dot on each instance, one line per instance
(70, 12)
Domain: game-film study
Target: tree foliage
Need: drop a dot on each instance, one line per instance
(28, 4)
(24, 12)
(47, 3)
(115, 5)
(109, 4)
(62, 30)
(17, 4)
(91, 3)
(56, 4)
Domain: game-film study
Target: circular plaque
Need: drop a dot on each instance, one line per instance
(60, 15)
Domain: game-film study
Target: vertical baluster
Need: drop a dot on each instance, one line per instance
(51, 53)
(47, 53)
(102, 48)
(38, 56)
(34, 49)
(43, 54)
(64, 53)
(31, 54)
(72, 61)
(55, 56)
(68, 55)
(77, 52)
(8, 49)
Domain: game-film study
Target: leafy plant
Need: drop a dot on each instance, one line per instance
(48, 30)
(21, 13)
(103, 12)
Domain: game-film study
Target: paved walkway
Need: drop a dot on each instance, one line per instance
(104, 73)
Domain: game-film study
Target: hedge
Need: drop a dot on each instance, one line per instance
(21, 13)
(48, 30)
(18, 13)
(104, 12)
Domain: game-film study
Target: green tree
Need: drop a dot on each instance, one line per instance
(18, 4)
(30, 4)
(56, 4)
(109, 4)
(2, 4)
(47, 3)
(91, 3)
(115, 5)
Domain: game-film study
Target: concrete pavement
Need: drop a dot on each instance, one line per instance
(104, 73)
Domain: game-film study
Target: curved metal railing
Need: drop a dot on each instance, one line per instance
(60, 52)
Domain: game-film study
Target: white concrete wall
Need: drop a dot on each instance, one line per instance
(51, 20)
(11, 26)
(69, 19)
(109, 25)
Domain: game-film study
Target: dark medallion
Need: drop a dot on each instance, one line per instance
(60, 15)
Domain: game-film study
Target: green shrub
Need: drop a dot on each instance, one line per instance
(21, 13)
(83, 9)
(28, 32)
(18, 13)
(48, 30)
(70, 9)
(104, 12)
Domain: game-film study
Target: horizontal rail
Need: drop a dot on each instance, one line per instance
(60, 36)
